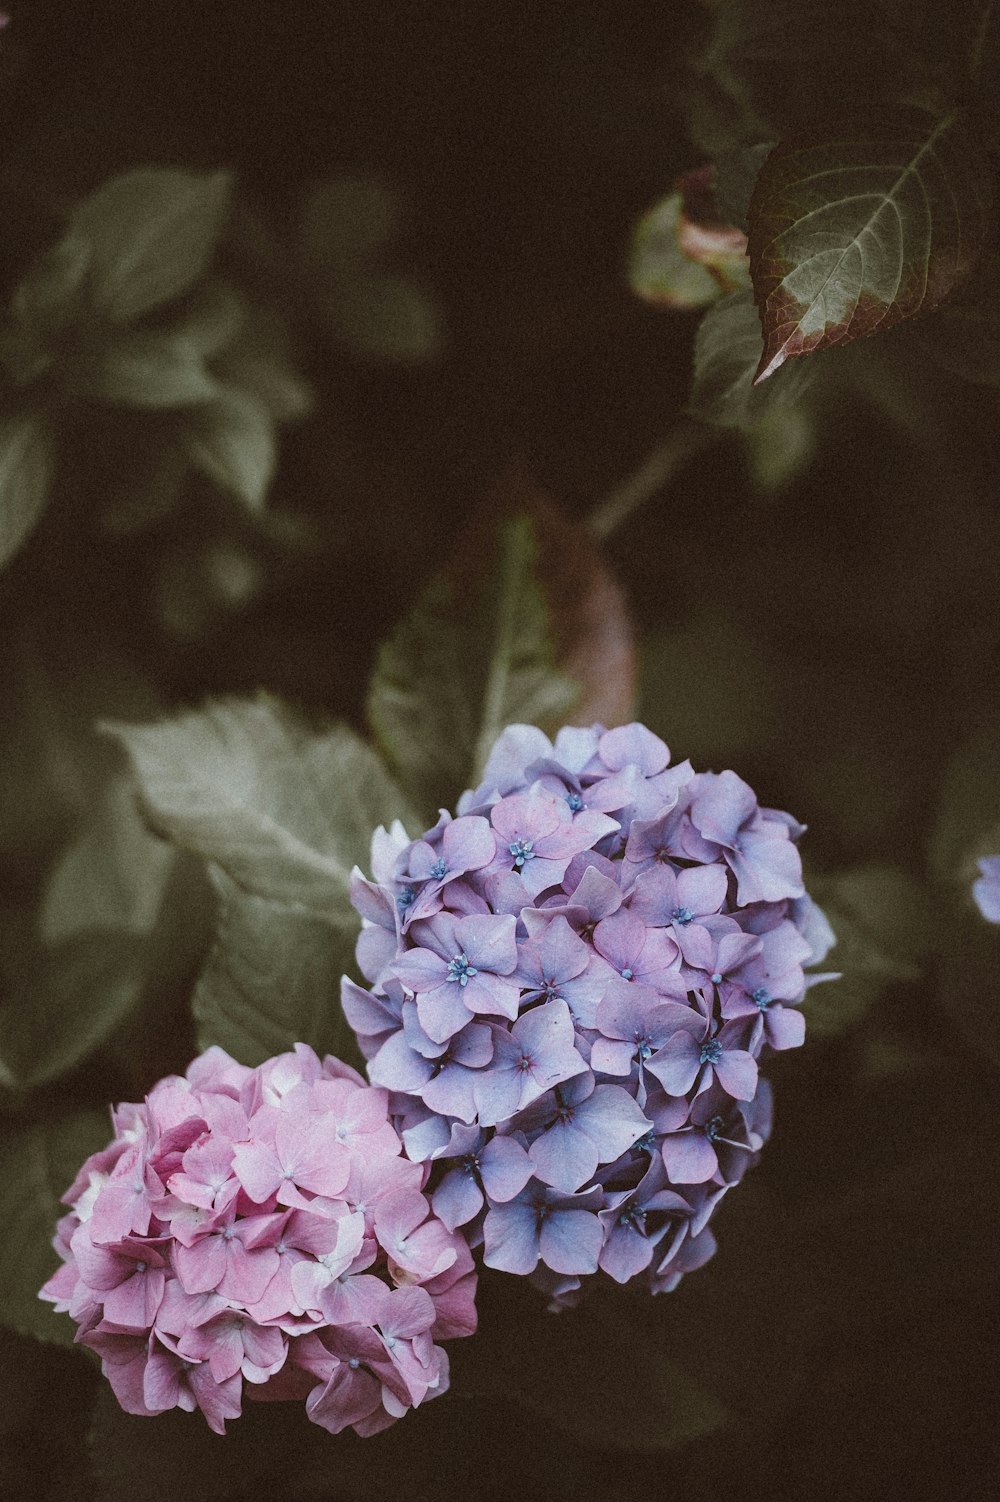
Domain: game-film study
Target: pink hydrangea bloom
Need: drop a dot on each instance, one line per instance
(263, 1227)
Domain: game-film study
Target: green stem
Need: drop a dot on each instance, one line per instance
(652, 476)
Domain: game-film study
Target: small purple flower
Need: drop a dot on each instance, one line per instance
(577, 1127)
(556, 964)
(537, 836)
(537, 1053)
(461, 971)
(686, 1061)
(561, 1230)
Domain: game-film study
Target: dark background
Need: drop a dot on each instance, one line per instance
(839, 639)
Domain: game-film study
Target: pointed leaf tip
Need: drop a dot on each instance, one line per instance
(851, 235)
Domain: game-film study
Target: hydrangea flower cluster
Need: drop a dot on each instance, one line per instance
(571, 986)
(263, 1226)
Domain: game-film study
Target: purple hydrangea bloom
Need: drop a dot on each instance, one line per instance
(571, 1030)
(986, 888)
(276, 1236)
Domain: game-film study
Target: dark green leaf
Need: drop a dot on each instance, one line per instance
(152, 233)
(68, 999)
(285, 813)
(967, 825)
(726, 352)
(348, 219)
(963, 334)
(27, 466)
(475, 655)
(852, 234)
(232, 441)
(883, 923)
(595, 1372)
(735, 174)
(384, 317)
(143, 370)
(273, 978)
(37, 1165)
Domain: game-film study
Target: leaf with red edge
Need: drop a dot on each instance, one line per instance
(523, 623)
(851, 235)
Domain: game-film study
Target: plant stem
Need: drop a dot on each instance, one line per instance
(652, 476)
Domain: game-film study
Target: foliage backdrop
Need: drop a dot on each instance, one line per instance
(404, 326)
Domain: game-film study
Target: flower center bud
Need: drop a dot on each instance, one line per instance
(762, 998)
(711, 1052)
(682, 915)
(460, 970)
(521, 850)
(439, 869)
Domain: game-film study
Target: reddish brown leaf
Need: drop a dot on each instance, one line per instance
(851, 235)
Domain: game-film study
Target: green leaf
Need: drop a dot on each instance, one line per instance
(273, 978)
(736, 173)
(384, 318)
(45, 302)
(967, 825)
(285, 813)
(152, 233)
(850, 235)
(781, 446)
(27, 467)
(884, 926)
(476, 654)
(71, 996)
(144, 370)
(658, 270)
(347, 225)
(232, 441)
(726, 352)
(963, 334)
(596, 1373)
(37, 1165)
(348, 219)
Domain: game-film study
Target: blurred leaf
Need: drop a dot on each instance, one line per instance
(594, 1372)
(27, 467)
(284, 812)
(258, 360)
(384, 318)
(44, 303)
(781, 446)
(37, 1165)
(963, 334)
(726, 352)
(152, 233)
(735, 175)
(659, 272)
(111, 932)
(884, 926)
(348, 219)
(849, 236)
(475, 654)
(967, 825)
(347, 226)
(143, 370)
(70, 997)
(232, 441)
(273, 978)
(212, 316)
(707, 687)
